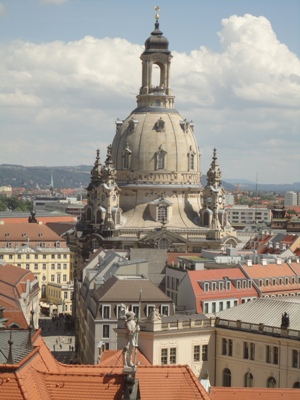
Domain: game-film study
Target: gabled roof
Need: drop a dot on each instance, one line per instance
(39, 376)
(256, 271)
(16, 232)
(127, 289)
(216, 275)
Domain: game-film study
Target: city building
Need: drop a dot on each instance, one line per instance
(290, 199)
(257, 344)
(245, 215)
(186, 339)
(210, 291)
(19, 297)
(99, 309)
(36, 248)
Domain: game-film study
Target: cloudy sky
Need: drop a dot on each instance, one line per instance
(70, 68)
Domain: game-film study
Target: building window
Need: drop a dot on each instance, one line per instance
(58, 266)
(248, 380)
(105, 333)
(19, 256)
(249, 351)
(58, 278)
(53, 256)
(52, 266)
(36, 256)
(65, 295)
(163, 244)
(136, 309)
(165, 310)
(10, 257)
(204, 352)
(36, 266)
(44, 256)
(227, 345)
(64, 278)
(52, 278)
(44, 266)
(196, 353)
(295, 359)
(173, 355)
(164, 356)
(27, 256)
(105, 312)
(27, 266)
(272, 354)
(205, 308)
(206, 286)
(162, 213)
(149, 309)
(271, 382)
(226, 377)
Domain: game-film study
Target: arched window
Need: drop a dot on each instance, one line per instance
(162, 213)
(191, 159)
(43, 291)
(227, 377)
(271, 382)
(127, 157)
(118, 217)
(160, 160)
(248, 380)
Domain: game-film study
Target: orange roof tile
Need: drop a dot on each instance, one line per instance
(115, 358)
(40, 377)
(257, 271)
(230, 393)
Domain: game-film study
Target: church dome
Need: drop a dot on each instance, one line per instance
(156, 145)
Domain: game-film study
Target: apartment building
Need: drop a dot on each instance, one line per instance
(240, 214)
(35, 247)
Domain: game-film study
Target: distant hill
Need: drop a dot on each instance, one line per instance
(76, 176)
(30, 177)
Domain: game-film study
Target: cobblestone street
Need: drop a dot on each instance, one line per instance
(59, 340)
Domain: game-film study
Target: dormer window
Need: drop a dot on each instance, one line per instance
(213, 286)
(274, 281)
(221, 285)
(162, 213)
(228, 285)
(238, 284)
(191, 159)
(206, 287)
(286, 281)
(260, 283)
(127, 157)
(267, 282)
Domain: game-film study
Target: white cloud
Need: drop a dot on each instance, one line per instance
(60, 100)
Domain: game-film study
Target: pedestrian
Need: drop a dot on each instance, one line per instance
(54, 347)
(60, 346)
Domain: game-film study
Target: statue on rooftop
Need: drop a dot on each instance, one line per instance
(132, 329)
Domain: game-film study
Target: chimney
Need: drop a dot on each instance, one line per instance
(278, 261)
(264, 261)
(249, 263)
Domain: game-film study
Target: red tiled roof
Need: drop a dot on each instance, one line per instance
(40, 377)
(19, 232)
(214, 275)
(230, 393)
(44, 219)
(115, 358)
(257, 271)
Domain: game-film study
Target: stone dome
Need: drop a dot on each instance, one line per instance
(156, 145)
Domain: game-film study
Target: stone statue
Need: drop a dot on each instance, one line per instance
(132, 330)
(154, 315)
(285, 320)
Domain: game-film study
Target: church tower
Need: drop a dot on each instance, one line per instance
(148, 194)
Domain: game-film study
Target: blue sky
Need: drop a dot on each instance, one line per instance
(71, 67)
